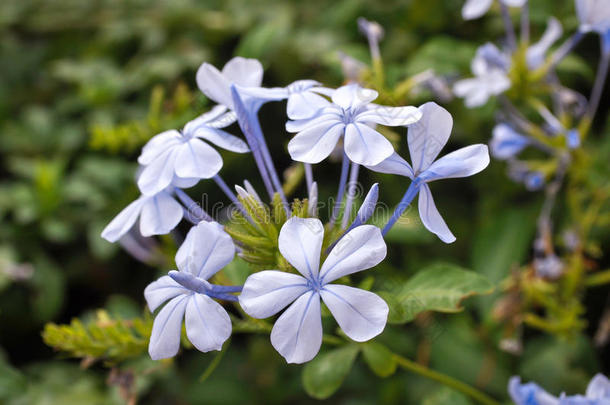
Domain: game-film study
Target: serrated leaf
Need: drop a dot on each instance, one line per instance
(379, 358)
(323, 376)
(440, 287)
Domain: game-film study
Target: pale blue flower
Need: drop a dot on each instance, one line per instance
(594, 15)
(573, 139)
(489, 67)
(598, 393)
(351, 116)
(477, 8)
(506, 142)
(205, 251)
(426, 138)
(184, 154)
(536, 53)
(297, 333)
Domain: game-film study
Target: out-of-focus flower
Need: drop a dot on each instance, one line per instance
(536, 53)
(594, 15)
(598, 393)
(489, 67)
(205, 251)
(426, 138)
(350, 116)
(297, 333)
(477, 8)
(506, 143)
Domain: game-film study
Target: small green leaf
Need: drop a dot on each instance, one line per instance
(440, 287)
(324, 375)
(379, 358)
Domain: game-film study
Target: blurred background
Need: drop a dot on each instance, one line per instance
(83, 85)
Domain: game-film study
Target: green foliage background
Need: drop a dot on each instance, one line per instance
(84, 84)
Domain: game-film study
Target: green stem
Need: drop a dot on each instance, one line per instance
(444, 379)
(597, 279)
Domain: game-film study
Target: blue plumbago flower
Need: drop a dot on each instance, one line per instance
(489, 67)
(506, 143)
(594, 15)
(573, 138)
(216, 85)
(205, 251)
(184, 155)
(426, 138)
(477, 8)
(535, 54)
(158, 213)
(350, 115)
(598, 393)
(297, 333)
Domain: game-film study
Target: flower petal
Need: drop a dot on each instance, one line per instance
(158, 145)
(530, 393)
(204, 119)
(316, 142)
(599, 387)
(361, 314)
(300, 242)
(197, 159)
(223, 139)
(268, 292)
(160, 214)
(158, 174)
(244, 72)
(124, 221)
(390, 116)
(365, 146)
(536, 53)
(394, 165)
(161, 290)
(331, 113)
(361, 248)
(207, 323)
(460, 163)
(214, 85)
(206, 249)
(165, 336)
(430, 217)
(353, 96)
(506, 142)
(297, 333)
(514, 3)
(429, 135)
(475, 8)
(304, 104)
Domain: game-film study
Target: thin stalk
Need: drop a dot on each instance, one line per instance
(192, 208)
(598, 88)
(402, 205)
(525, 23)
(597, 279)
(308, 176)
(351, 194)
(563, 50)
(226, 189)
(446, 380)
(511, 38)
(340, 190)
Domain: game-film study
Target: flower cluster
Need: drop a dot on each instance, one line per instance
(315, 260)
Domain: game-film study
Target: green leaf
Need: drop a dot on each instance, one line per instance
(323, 376)
(379, 358)
(446, 396)
(440, 287)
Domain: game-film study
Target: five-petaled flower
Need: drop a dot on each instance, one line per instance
(351, 116)
(205, 251)
(297, 333)
(184, 155)
(598, 393)
(426, 138)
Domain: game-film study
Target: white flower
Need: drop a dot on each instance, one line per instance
(173, 155)
(351, 115)
(489, 67)
(297, 333)
(594, 15)
(426, 138)
(476, 8)
(205, 251)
